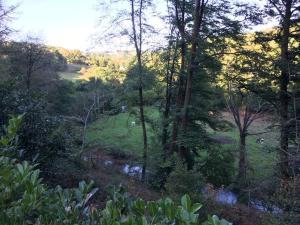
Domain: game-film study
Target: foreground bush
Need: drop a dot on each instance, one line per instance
(25, 200)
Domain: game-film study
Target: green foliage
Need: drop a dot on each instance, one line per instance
(181, 180)
(259, 169)
(287, 197)
(42, 136)
(131, 85)
(217, 165)
(25, 200)
(123, 210)
(32, 65)
(107, 68)
(214, 220)
(72, 56)
(10, 138)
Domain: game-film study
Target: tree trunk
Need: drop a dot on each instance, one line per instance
(180, 23)
(138, 47)
(145, 150)
(242, 157)
(29, 72)
(169, 76)
(283, 95)
(179, 98)
(167, 107)
(198, 15)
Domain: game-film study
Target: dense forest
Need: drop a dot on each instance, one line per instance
(201, 127)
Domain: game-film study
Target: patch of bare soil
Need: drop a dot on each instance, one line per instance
(241, 214)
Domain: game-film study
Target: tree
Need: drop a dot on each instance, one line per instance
(171, 56)
(137, 32)
(72, 56)
(6, 13)
(245, 109)
(271, 63)
(130, 22)
(204, 28)
(288, 12)
(33, 63)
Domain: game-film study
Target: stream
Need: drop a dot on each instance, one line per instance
(227, 197)
(221, 196)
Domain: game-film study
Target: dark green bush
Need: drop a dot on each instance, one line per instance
(181, 181)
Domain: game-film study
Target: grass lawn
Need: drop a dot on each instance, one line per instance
(69, 76)
(118, 132)
(72, 72)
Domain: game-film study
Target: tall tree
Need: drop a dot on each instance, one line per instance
(137, 32)
(171, 61)
(273, 60)
(33, 63)
(6, 13)
(245, 108)
(289, 13)
(204, 27)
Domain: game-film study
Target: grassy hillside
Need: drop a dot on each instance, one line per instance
(72, 72)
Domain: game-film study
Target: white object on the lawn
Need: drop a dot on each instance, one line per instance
(260, 140)
(123, 107)
(108, 162)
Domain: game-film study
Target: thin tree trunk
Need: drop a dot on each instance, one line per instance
(283, 95)
(179, 99)
(180, 22)
(169, 76)
(29, 72)
(198, 15)
(85, 125)
(138, 47)
(145, 152)
(242, 157)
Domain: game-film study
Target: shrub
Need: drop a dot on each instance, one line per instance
(217, 165)
(25, 200)
(181, 181)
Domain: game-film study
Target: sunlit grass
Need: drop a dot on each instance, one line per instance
(72, 72)
(118, 131)
(69, 76)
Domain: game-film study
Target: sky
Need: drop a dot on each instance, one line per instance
(71, 24)
(64, 23)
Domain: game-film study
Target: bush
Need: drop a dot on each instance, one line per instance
(217, 165)
(181, 181)
(25, 200)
